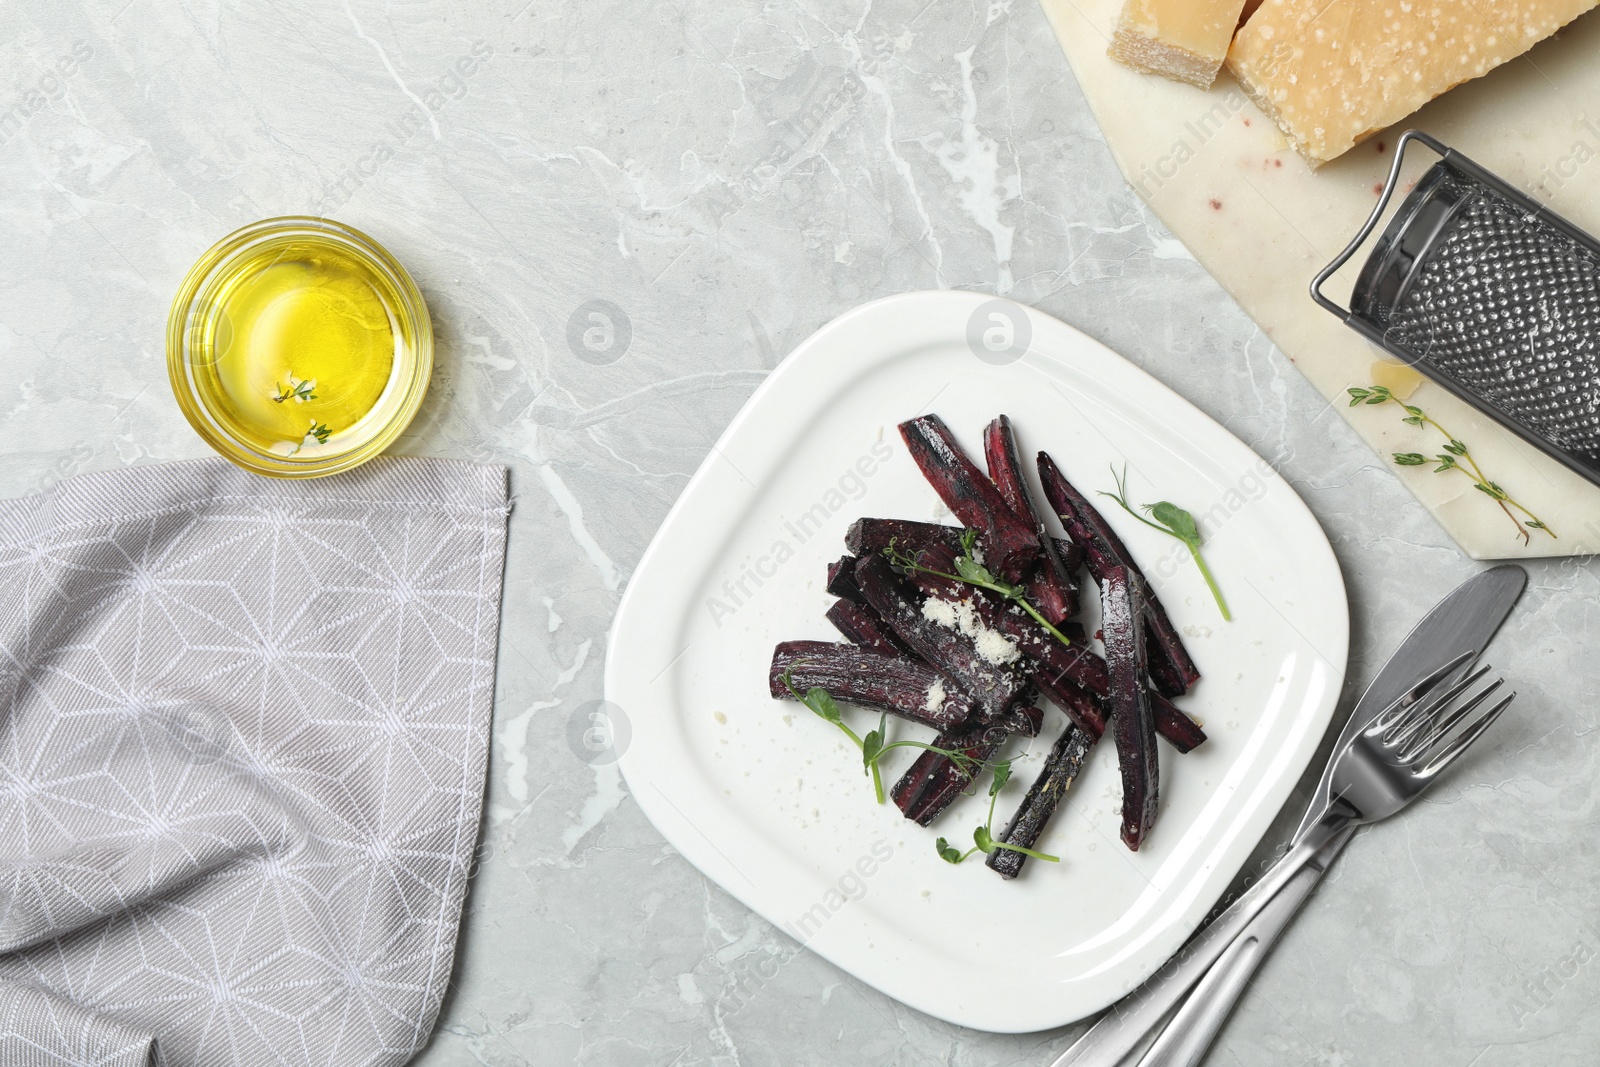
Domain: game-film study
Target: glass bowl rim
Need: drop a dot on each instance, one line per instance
(215, 260)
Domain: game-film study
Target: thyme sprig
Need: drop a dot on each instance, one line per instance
(1455, 457)
(320, 431)
(972, 572)
(983, 837)
(299, 390)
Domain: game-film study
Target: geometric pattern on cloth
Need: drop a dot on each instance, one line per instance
(243, 732)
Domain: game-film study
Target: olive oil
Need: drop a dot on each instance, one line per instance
(302, 343)
(299, 347)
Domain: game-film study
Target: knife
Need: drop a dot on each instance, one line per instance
(1458, 627)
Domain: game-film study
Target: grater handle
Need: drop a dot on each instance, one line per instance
(1344, 257)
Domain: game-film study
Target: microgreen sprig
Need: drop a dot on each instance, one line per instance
(875, 745)
(983, 837)
(971, 572)
(1455, 457)
(1173, 521)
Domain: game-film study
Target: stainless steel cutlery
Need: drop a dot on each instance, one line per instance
(1421, 713)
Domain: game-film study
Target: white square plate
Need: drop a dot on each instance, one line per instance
(770, 801)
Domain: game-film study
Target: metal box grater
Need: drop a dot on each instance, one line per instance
(1490, 294)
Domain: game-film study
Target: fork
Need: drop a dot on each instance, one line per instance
(1383, 768)
(1388, 765)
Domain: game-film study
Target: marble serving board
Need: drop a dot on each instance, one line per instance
(1226, 182)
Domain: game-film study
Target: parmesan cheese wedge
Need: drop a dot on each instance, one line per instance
(1186, 40)
(1333, 73)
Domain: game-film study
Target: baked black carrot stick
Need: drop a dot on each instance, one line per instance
(842, 579)
(1062, 672)
(1044, 796)
(1132, 721)
(1007, 540)
(1182, 732)
(990, 670)
(901, 686)
(1171, 667)
(1024, 718)
(1049, 585)
(935, 565)
(1084, 709)
(863, 627)
(1089, 713)
(934, 781)
(869, 537)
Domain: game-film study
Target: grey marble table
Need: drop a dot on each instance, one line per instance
(728, 176)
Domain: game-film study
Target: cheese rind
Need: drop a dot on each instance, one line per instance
(1333, 74)
(1186, 40)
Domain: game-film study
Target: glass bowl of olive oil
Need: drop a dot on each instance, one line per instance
(299, 347)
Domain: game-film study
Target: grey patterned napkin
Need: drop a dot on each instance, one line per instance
(243, 727)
